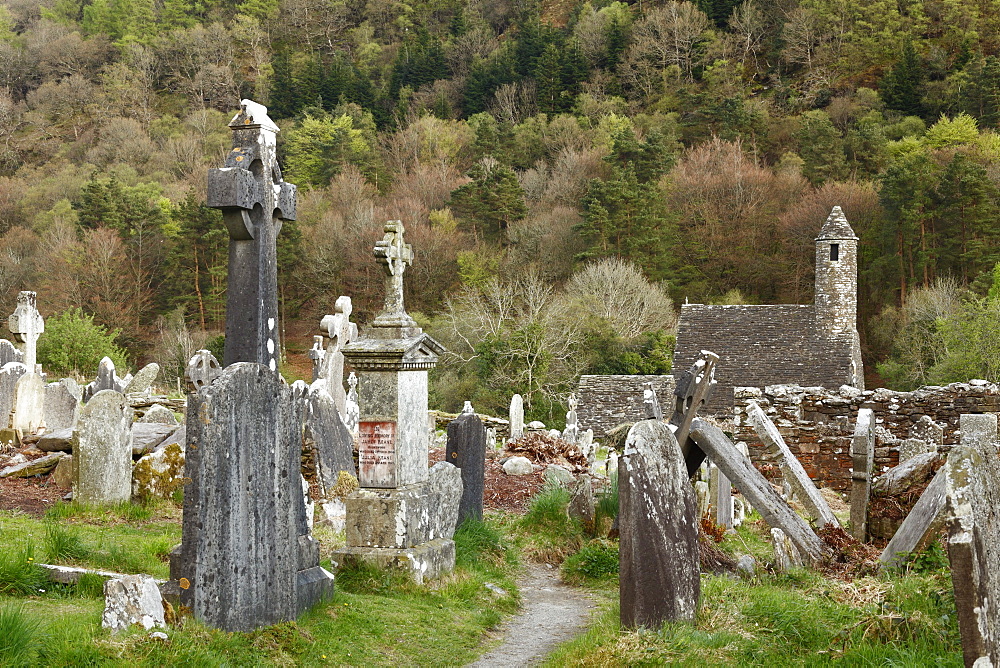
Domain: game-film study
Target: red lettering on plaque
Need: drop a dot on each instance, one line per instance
(377, 454)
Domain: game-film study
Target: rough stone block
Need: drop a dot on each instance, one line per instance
(428, 561)
(132, 600)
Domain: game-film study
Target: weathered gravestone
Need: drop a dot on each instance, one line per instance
(467, 450)
(791, 469)
(317, 354)
(352, 411)
(913, 447)
(571, 433)
(659, 574)
(651, 403)
(107, 379)
(143, 381)
(29, 403)
(246, 559)
(102, 450)
(923, 522)
(9, 353)
(928, 431)
(721, 497)
(516, 417)
(862, 456)
(10, 373)
(394, 520)
(202, 370)
(973, 507)
(331, 442)
(27, 324)
(341, 331)
(62, 404)
(254, 200)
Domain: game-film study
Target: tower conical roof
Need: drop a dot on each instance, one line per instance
(836, 227)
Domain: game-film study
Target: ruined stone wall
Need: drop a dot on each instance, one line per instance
(818, 424)
(608, 401)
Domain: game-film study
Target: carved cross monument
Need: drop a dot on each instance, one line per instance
(254, 200)
(341, 331)
(26, 324)
(394, 255)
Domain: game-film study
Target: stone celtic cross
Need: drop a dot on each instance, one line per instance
(394, 255)
(254, 199)
(341, 331)
(27, 324)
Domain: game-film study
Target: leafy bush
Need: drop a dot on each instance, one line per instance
(597, 559)
(74, 344)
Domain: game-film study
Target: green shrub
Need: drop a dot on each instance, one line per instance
(19, 637)
(547, 511)
(74, 344)
(478, 543)
(597, 559)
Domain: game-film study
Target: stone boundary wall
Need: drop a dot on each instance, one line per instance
(607, 401)
(818, 424)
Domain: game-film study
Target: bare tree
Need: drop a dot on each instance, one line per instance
(669, 35)
(750, 27)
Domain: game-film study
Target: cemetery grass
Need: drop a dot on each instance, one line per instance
(374, 617)
(799, 618)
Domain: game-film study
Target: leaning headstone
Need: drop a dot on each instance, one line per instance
(102, 450)
(143, 381)
(467, 450)
(802, 486)
(756, 489)
(9, 353)
(923, 523)
(9, 375)
(332, 443)
(973, 496)
(516, 416)
(928, 431)
(62, 404)
(132, 600)
(27, 324)
(246, 559)
(146, 436)
(254, 200)
(29, 403)
(862, 456)
(659, 575)
(914, 471)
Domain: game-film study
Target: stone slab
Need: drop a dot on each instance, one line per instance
(102, 450)
(39, 466)
(466, 449)
(146, 436)
(428, 561)
(62, 404)
(331, 441)
(132, 600)
(924, 521)
(862, 458)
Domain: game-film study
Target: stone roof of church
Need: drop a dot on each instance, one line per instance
(836, 227)
(759, 346)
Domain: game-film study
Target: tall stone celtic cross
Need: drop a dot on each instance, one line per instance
(254, 199)
(27, 324)
(394, 255)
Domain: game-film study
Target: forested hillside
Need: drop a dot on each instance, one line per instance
(521, 143)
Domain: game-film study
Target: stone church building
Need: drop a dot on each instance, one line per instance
(809, 345)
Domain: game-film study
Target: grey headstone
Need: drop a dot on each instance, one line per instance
(62, 404)
(923, 523)
(446, 486)
(467, 450)
(107, 377)
(159, 414)
(862, 456)
(786, 557)
(246, 557)
(516, 416)
(582, 504)
(572, 431)
(102, 450)
(9, 353)
(659, 573)
(132, 600)
(333, 445)
(927, 430)
(973, 499)
(703, 498)
(341, 331)
(914, 471)
(147, 435)
(911, 447)
(721, 495)
(10, 373)
(143, 381)
(254, 200)
(29, 403)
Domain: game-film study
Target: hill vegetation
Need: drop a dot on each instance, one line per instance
(697, 147)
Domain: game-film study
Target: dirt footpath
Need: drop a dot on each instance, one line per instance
(553, 613)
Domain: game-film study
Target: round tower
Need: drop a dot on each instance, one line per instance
(837, 276)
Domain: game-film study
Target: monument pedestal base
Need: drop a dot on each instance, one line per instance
(427, 561)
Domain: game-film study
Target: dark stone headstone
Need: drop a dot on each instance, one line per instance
(659, 573)
(333, 445)
(467, 451)
(246, 559)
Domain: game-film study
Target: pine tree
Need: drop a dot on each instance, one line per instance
(902, 89)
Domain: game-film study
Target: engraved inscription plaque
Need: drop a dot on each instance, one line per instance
(377, 454)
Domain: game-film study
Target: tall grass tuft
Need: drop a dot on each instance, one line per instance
(63, 543)
(19, 637)
(19, 574)
(607, 504)
(550, 534)
(479, 544)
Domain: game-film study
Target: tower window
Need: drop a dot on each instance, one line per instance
(834, 252)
